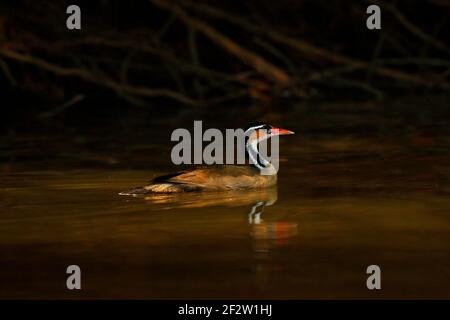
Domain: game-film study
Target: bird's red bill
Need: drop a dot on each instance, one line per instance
(279, 131)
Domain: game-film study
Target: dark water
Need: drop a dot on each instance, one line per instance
(340, 205)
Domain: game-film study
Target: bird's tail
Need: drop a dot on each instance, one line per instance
(135, 191)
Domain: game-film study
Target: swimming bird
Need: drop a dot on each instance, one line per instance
(222, 177)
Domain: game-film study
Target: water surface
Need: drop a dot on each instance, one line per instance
(340, 206)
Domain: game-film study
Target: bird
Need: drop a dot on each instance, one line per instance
(221, 177)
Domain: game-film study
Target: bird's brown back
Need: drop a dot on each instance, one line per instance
(229, 177)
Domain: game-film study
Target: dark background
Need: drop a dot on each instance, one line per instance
(139, 69)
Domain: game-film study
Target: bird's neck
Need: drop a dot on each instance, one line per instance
(257, 160)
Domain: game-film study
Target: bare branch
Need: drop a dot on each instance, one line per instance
(270, 71)
(308, 49)
(90, 77)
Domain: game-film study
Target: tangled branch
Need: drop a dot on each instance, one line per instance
(258, 60)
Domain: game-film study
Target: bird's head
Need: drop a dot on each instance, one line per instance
(260, 131)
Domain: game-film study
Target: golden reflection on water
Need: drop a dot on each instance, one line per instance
(266, 235)
(207, 199)
(331, 215)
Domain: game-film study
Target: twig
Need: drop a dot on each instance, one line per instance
(166, 26)
(277, 53)
(7, 72)
(375, 58)
(378, 94)
(416, 61)
(71, 102)
(317, 76)
(192, 40)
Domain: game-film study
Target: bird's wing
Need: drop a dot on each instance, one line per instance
(198, 176)
(216, 177)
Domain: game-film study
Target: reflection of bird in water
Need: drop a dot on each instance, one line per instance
(222, 177)
(210, 199)
(266, 236)
(261, 230)
(265, 233)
